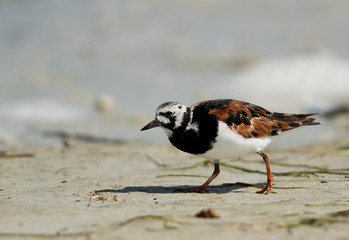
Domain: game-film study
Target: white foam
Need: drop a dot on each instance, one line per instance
(41, 110)
(302, 83)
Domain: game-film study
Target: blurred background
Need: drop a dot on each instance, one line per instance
(101, 68)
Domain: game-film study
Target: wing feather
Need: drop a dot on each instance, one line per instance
(252, 121)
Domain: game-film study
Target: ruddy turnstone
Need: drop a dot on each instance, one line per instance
(224, 128)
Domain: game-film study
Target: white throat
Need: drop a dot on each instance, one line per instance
(168, 132)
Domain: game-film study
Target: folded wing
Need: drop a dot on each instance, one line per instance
(252, 121)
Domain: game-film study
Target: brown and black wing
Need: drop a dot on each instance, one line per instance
(252, 121)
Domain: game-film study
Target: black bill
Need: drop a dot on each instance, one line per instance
(152, 124)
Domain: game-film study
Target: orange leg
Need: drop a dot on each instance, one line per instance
(267, 189)
(202, 189)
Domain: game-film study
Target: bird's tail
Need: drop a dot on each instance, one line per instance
(288, 121)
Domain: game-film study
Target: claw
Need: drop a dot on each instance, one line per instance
(267, 189)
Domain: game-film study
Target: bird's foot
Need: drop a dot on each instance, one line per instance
(267, 189)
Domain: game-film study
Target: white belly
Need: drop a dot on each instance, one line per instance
(230, 145)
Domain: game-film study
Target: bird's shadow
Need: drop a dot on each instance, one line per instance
(223, 188)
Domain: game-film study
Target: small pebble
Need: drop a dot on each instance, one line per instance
(105, 103)
(207, 213)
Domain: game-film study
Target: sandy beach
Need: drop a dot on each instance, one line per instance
(131, 191)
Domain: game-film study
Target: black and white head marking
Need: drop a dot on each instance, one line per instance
(173, 116)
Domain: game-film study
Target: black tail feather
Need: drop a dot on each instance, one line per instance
(294, 120)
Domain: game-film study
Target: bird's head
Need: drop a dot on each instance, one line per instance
(170, 116)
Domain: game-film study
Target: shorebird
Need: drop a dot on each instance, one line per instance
(224, 128)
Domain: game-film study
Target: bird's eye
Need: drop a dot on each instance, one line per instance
(168, 114)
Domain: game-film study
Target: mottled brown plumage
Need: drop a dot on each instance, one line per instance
(252, 121)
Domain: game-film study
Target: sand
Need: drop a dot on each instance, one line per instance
(130, 191)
